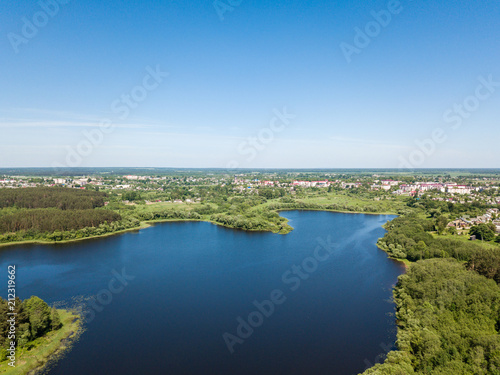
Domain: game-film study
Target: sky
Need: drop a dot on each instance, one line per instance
(250, 84)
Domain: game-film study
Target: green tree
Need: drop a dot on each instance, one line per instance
(55, 319)
(484, 232)
(39, 316)
(441, 223)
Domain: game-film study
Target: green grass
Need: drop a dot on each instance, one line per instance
(321, 199)
(45, 348)
(465, 238)
(156, 206)
(387, 206)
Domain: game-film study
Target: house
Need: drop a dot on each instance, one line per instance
(459, 189)
(459, 223)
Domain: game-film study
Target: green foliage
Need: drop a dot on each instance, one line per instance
(448, 319)
(455, 210)
(39, 316)
(406, 232)
(486, 263)
(441, 223)
(55, 319)
(270, 193)
(132, 196)
(33, 320)
(54, 197)
(484, 232)
(167, 214)
(52, 219)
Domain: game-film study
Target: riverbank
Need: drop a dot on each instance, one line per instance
(286, 228)
(46, 349)
(43, 242)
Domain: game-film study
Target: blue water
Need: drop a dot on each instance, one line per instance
(186, 284)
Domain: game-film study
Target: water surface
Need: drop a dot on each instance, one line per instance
(191, 282)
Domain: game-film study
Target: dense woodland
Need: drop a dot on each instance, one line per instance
(34, 319)
(448, 303)
(51, 197)
(53, 219)
(55, 214)
(448, 321)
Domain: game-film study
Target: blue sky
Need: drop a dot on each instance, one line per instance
(228, 78)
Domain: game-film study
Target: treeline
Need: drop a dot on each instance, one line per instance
(241, 222)
(289, 204)
(33, 319)
(52, 219)
(408, 237)
(168, 214)
(73, 234)
(255, 220)
(53, 197)
(486, 263)
(448, 321)
(453, 210)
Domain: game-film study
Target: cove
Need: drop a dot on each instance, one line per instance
(184, 285)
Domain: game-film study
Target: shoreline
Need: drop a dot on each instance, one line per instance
(58, 347)
(147, 224)
(49, 349)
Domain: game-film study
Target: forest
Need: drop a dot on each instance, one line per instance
(448, 321)
(51, 197)
(53, 219)
(34, 319)
(448, 302)
(55, 214)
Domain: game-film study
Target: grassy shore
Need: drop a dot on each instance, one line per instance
(354, 204)
(47, 348)
(44, 242)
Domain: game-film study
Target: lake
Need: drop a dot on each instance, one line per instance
(196, 298)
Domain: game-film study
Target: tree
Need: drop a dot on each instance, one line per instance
(483, 232)
(55, 319)
(421, 247)
(441, 223)
(39, 316)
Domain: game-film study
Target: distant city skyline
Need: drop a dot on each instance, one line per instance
(236, 84)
